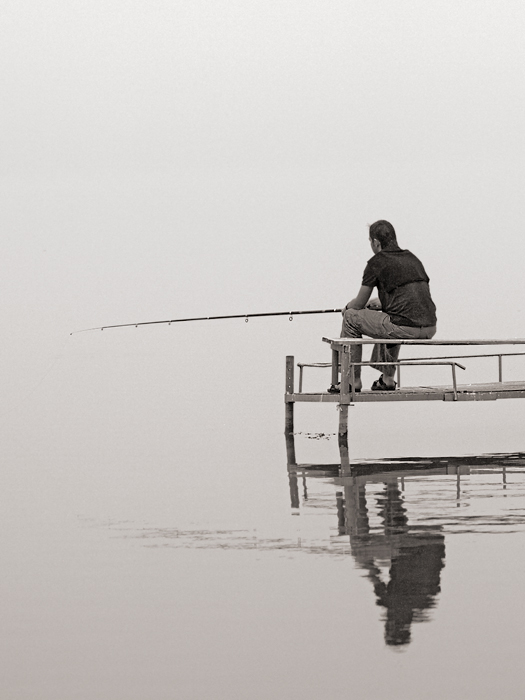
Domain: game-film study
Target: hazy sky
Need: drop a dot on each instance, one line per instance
(169, 158)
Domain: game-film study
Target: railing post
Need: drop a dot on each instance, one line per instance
(289, 374)
(454, 384)
(500, 368)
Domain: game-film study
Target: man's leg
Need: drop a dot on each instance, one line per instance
(376, 324)
(357, 323)
(389, 352)
(383, 352)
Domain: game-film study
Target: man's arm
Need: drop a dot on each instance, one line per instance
(360, 301)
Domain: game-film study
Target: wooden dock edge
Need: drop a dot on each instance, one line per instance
(457, 393)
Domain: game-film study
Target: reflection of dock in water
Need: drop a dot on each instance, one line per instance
(399, 544)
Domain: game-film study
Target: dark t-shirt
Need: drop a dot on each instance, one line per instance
(402, 284)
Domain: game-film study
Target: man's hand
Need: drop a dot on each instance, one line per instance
(360, 301)
(374, 305)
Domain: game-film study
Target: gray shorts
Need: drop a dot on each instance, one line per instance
(376, 324)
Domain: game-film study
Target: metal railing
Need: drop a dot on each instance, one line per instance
(407, 362)
(452, 365)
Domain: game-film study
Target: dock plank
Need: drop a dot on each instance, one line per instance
(421, 341)
(489, 391)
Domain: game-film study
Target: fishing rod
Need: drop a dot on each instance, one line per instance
(290, 314)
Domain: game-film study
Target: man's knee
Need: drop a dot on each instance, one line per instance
(351, 315)
(351, 323)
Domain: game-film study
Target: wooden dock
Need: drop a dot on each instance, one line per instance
(453, 392)
(464, 392)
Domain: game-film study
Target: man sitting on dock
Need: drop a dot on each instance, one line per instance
(405, 309)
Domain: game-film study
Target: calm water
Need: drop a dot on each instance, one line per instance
(157, 545)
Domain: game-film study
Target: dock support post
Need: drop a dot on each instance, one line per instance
(341, 515)
(294, 489)
(335, 366)
(343, 438)
(289, 408)
(345, 372)
(290, 445)
(343, 410)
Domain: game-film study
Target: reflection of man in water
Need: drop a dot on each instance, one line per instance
(416, 559)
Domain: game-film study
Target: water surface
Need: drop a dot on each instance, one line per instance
(158, 545)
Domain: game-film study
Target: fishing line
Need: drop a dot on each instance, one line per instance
(18, 404)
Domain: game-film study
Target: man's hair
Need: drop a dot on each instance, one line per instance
(384, 232)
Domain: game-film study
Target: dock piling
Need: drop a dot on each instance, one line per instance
(335, 366)
(342, 437)
(289, 406)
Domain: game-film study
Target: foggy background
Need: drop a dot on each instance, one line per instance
(167, 159)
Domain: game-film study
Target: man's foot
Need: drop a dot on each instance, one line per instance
(336, 389)
(384, 384)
